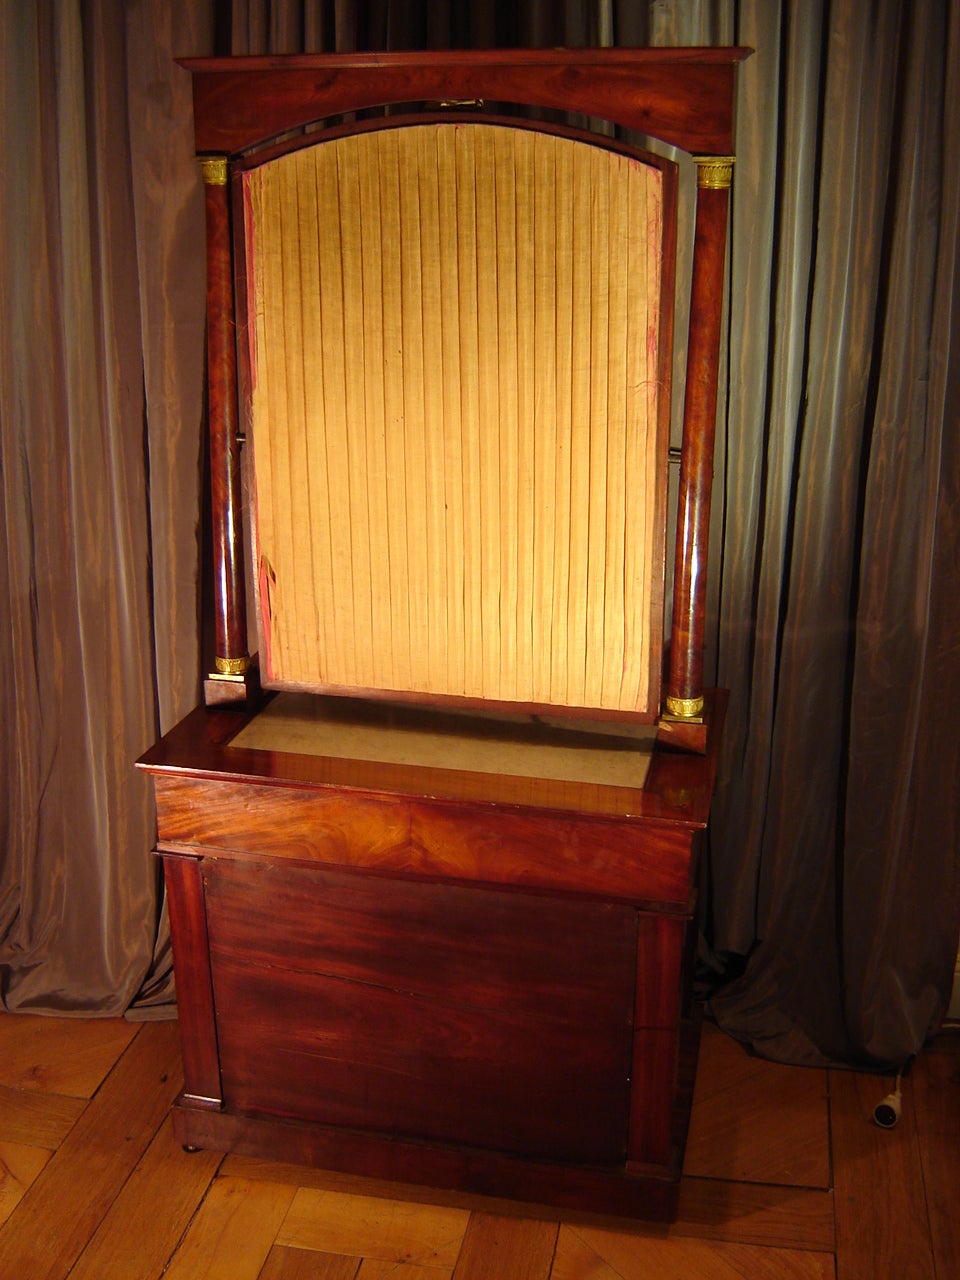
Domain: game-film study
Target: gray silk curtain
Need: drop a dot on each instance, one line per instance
(832, 898)
(834, 868)
(79, 906)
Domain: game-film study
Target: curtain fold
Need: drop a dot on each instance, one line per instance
(826, 871)
(833, 892)
(171, 277)
(78, 889)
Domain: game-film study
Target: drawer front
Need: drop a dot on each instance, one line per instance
(639, 861)
(454, 1013)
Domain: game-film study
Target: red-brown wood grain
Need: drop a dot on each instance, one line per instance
(392, 963)
(426, 974)
(696, 461)
(406, 837)
(438, 989)
(684, 96)
(652, 1097)
(677, 790)
(451, 1013)
(664, 1060)
(358, 982)
(485, 948)
(191, 958)
(663, 944)
(229, 598)
(608, 1191)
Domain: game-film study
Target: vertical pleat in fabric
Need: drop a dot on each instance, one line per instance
(455, 408)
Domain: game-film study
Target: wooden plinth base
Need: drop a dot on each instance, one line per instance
(635, 1194)
(470, 981)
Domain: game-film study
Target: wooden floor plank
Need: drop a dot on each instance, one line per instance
(882, 1227)
(151, 1213)
(71, 1056)
(508, 1248)
(233, 1232)
(20, 1166)
(757, 1121)
(37, 1119)
(257, 1168)
(299, 1175)
(786, 1217)
(50, 1227)
(934, 1091)
(366, 1227)
(380, 1269)
(284, 1263)
(588, 1253)
(117, 1194)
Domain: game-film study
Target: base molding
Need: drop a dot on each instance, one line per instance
(648, 1194)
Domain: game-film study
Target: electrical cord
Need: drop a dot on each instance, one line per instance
(887, 1111)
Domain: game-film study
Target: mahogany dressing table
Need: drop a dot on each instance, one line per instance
(431, 859)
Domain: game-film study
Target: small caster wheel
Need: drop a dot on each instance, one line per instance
(190, 1151)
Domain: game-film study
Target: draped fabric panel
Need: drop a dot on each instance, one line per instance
(832, 899)
(171, 273)
(455, 406)
(78, 889)
(834, 863)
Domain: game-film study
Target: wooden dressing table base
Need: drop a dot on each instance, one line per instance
(448, 977)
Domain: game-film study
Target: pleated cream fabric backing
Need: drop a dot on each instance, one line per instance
(454, 338)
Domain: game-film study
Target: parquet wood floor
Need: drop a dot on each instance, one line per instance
(785, 1177)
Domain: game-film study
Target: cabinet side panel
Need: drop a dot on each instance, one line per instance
(195, 1009)
(500, 1021)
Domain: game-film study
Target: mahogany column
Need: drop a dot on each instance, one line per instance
(229, 680)
(684, 696)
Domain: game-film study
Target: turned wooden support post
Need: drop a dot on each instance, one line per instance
(684, 696)
(232, 661)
